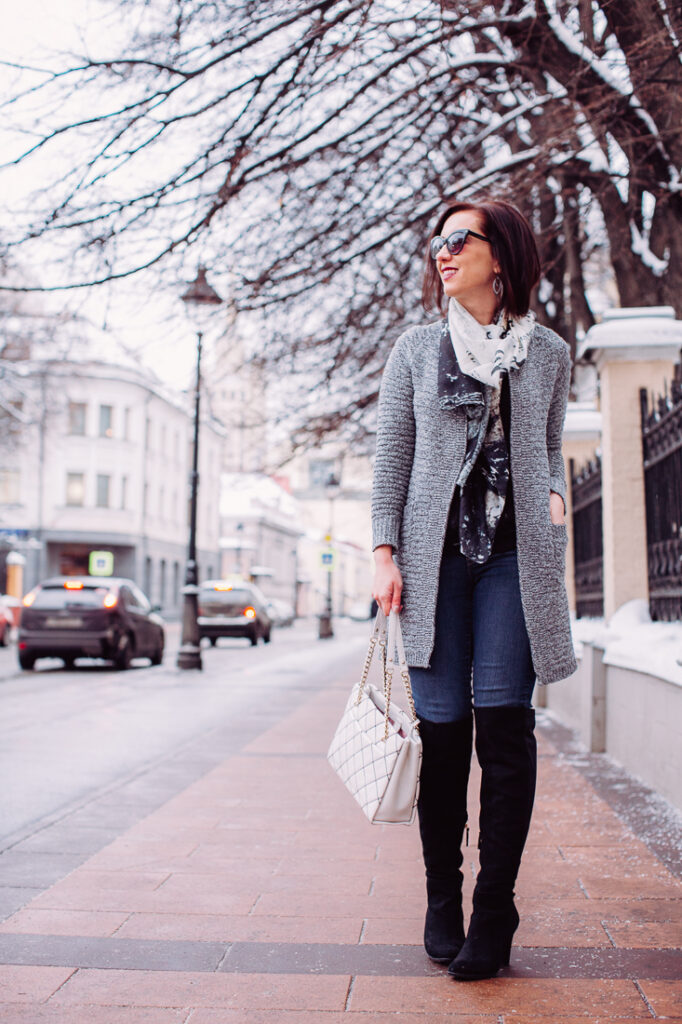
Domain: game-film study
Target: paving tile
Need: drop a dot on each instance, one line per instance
(244, 928)
(32, 921)
(248, 991)
(287, 904)
(51, 1014)
(650, 936)
(665, 997)
(315, 1017)
(31, 984)
(135, 900)
(401, 930)
(599, 886)
(509, 996)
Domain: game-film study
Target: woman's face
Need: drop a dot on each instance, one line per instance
(468, 277)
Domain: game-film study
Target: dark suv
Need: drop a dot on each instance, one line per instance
(71, 617)
(233, 609)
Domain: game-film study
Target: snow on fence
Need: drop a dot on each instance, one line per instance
(662, 451)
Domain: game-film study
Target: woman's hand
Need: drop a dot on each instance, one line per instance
(557, 511)
(388, 583)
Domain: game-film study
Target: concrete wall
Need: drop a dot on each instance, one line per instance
(634, 717)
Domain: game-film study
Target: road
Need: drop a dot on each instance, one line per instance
(88, 751)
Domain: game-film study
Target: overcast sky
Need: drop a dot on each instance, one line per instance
(34, 33)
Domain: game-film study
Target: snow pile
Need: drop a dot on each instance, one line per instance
(631, 640)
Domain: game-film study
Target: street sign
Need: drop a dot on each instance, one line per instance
(101, 563)
(327, 560)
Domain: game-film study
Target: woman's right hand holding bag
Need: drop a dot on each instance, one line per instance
(388, 582)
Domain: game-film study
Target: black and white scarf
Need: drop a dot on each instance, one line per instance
(484, 477)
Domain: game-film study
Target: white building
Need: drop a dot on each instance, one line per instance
(102, 463)
(260, 533)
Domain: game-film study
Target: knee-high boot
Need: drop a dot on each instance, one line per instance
(442, 807)
(506, 750)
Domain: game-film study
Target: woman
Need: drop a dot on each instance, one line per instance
(469, 539)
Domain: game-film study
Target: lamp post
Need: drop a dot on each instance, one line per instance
(199, 295)
(326, 628)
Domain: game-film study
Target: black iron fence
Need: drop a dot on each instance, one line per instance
(588, 545)
(662, 450)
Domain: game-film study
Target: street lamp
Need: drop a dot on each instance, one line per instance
(326, 629)
(199, 296)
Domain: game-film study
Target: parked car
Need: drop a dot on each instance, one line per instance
(71, 617)
(281, 612)
(229, 608)
(6, 623)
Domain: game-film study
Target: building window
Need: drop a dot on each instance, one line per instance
(106, 419)
(124, 491)
(126, 423)
(162, 582)
(103, 483)
(147, 434)
(9, 487)
(77, 411)
(176, 582)
(75, 488)
(320, 470)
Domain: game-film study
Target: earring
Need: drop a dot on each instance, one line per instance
(498, 287)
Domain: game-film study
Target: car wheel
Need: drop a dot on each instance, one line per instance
(253, 637)
(27, 660)
(69, 663)
(213, 640)
(157, 656)
(124, 653)
(266, 637)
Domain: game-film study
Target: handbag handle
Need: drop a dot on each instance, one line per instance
(378, 637)
(396, 646)
(389, 646)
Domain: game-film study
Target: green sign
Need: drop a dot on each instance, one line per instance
(101, 563)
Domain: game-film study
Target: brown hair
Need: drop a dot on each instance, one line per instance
(513, 245)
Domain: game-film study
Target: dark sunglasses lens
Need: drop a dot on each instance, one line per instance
(437, 244)
(455, 242)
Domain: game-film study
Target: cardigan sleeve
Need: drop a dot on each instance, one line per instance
(555, 424)
(395, 448)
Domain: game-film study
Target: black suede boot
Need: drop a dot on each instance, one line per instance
(506, 750)
(442, 807)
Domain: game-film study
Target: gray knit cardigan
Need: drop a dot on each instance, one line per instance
(420, 450)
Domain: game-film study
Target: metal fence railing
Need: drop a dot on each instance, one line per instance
(588, 545)
(662, 452)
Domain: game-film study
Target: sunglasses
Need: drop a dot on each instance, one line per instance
(455, 242)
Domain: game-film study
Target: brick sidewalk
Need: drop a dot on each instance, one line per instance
(260, 894)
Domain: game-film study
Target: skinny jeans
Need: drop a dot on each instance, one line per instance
(481, 651)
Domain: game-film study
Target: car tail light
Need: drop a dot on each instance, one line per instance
(223, 586)
(249, 613)
(110, 601)
(73, 585)
(29, 598)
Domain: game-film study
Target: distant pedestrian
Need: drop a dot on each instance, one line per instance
(470, 536)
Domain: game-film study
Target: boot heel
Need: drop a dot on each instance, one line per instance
(505, 956)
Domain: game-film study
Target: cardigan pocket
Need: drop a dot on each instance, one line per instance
(559, 545)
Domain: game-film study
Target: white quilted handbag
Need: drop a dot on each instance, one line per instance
(376, 750)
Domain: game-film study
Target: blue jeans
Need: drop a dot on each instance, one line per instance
(481, 647)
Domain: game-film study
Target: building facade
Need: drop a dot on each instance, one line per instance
(102, 464)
